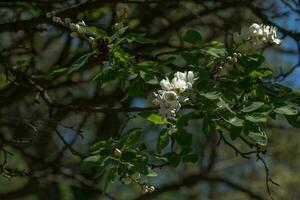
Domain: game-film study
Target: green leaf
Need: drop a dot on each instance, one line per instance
(256, 118)
(119, 32)
(146, 64)
(259, 137)
(183, 138)
(211, 95)
(80, 62)
(128, 155)
(162, 140)
(193, 158)
(208, 125)
(139, 38)
(204, 74)
(253, 106)
(261, 73)
(98, 145)
(173, 158)
(252, 62)
(132, 137)
(91, 161)
(149, 77)
(235, 121)
(55, 70)
(215, 52)
(108, 74)
(286, 110)
(294, 120)
(152, 117)
(235, 132)
(135, 89)
(151, 173)
(184, 119)
(190, 58)
(192, 36)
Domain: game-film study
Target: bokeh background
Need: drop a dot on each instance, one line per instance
(30, 40)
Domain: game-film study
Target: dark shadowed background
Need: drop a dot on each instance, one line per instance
(30, 142)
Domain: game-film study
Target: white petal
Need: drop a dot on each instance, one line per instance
(190, 77)
(165, 84)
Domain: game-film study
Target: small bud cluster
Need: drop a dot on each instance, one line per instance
(78, 28)
(255, 37)
(136, 178)
(118, 153)
(148, 188)
(234, 57)
(173, 93)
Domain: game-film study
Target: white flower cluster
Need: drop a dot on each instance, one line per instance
(173, 93)
(254, 37)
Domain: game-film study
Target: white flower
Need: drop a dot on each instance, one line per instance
(170, 97)
(188, 77)
(173, 93)
(179, 85)
(165, 84)
(168, 103)
(168, 112)
(254, 37)
(180, 75)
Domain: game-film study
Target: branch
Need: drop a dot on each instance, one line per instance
(191, 180)
(67, 145)
(67, 12)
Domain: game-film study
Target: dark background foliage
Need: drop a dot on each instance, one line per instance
(39, 142)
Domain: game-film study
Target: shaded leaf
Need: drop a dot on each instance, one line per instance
(252, 107)
(192, 36)
(80, 62)
(162, 140)
(193, 158)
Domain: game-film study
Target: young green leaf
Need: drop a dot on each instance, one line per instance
(80, 62)
(152, 117)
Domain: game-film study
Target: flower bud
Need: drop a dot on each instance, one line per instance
(151, 188)
(81, 30)
(118, 153)
(72, 26)
(81, 23)
(229, 58)
(57, 20)
(145, 189)
(77, 27)
(91, 39)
